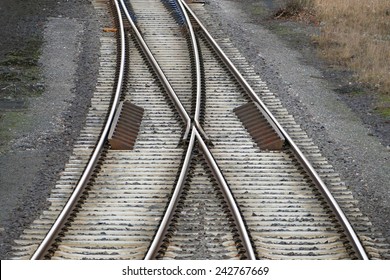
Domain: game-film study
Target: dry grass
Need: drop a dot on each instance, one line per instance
(297, 9)
(356, 34)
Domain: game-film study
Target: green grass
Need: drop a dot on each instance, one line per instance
(20, 72)
(9, 122)
(258, 10)
(19, 79)
(383, 107)
(281, 30)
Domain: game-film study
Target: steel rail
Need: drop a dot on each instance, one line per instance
(349, 231)
(197, 132)
(197, 64)
(244, 236)
(48, 241)
(170, 211)
(210, 159)
(175, 99)
(164, 224)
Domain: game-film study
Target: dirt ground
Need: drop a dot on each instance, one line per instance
(48, 63)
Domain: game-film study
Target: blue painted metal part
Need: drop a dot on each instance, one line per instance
(130, 11)
(177, 12)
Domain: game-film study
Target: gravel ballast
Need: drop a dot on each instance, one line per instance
(40, 129)
(283, 55)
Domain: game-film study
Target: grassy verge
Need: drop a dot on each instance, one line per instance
(9, 122)
(300, 9)
(20, 78)
(20, 73)
(354, 34)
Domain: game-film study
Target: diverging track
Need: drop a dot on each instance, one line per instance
(210, 173)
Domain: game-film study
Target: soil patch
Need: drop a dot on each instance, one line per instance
(48, 68)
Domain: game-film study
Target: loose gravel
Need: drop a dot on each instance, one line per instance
(40, 135)
(353, 138)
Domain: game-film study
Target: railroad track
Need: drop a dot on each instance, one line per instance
(199, 163)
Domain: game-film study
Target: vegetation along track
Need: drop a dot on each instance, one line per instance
(207, 138)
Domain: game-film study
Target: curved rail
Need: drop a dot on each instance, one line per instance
(163, 228)
(197, 64)
(197, 132)
(198, 79)
(175, 99)
(164, 225)
(47, 242)
(249, 252)
(351, 234)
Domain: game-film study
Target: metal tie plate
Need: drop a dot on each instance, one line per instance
(263, 132)
(125, 126)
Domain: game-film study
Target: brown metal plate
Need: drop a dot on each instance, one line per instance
(125, 127)
(263, 132)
